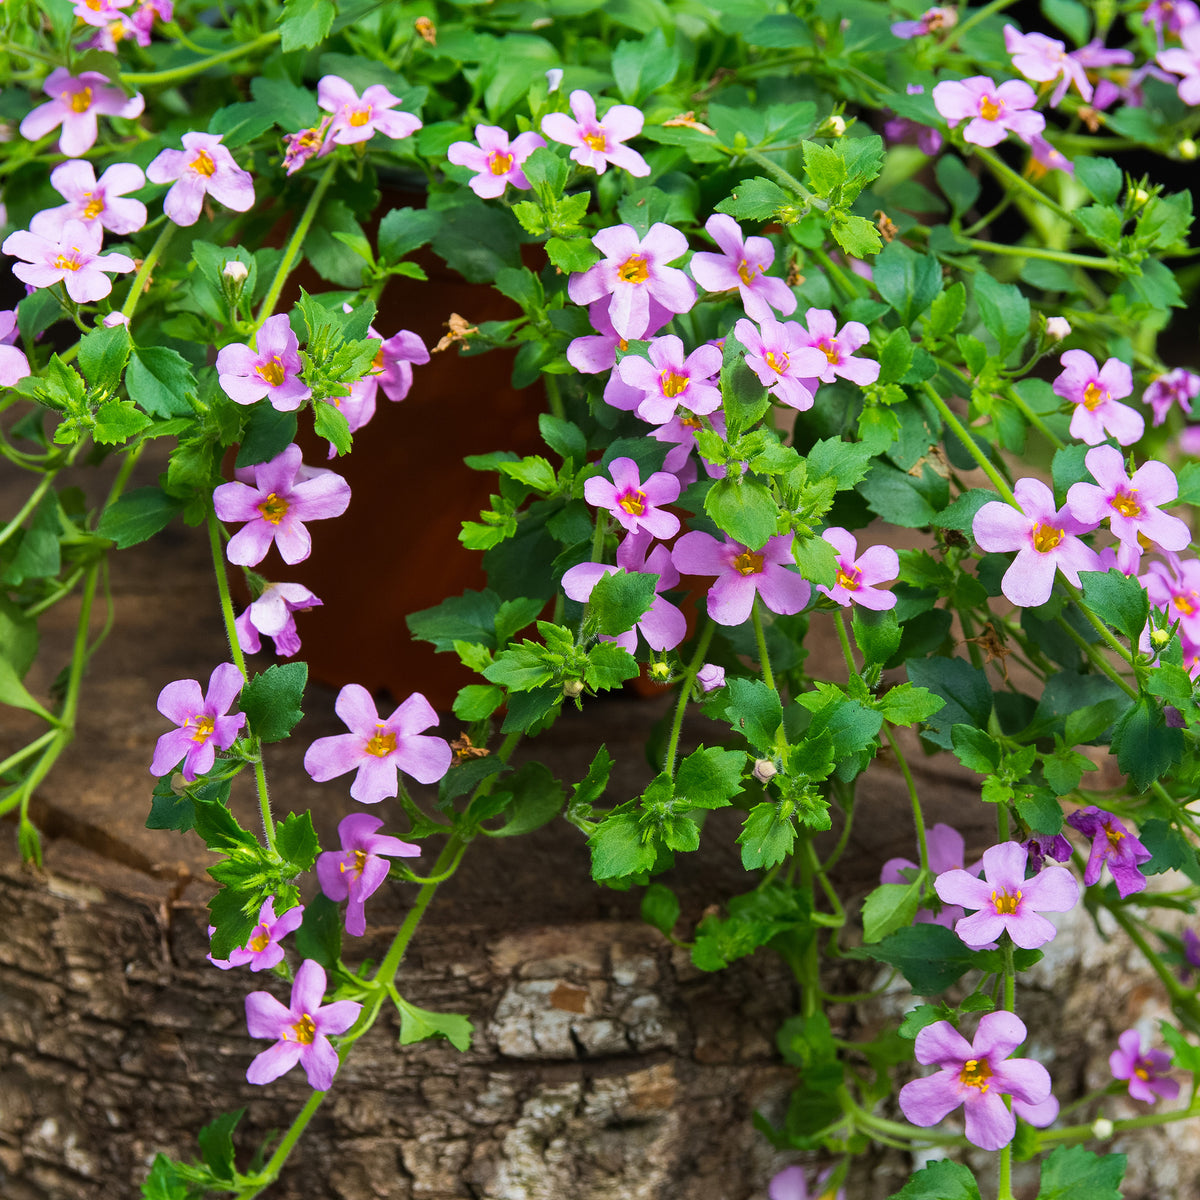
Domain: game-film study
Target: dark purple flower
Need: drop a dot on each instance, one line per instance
(1175, 387)
(358, 869)
(1041, 846)
(1112, 843)
(263, 951)
(1144, 1069)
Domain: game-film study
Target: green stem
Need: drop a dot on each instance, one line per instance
(972, 448)
(554, 397)
(785, 177)
(685, 693)
(137, 287)
(1076, 1133)
(1099, 626)
(1097, 659)
(295, 243)
(1007, 175)
(1033, 418)
(176, 74)
(839, 619)
(34, 498)
(918, 816)
(20, 755)
(760, 637)
(1061, 256)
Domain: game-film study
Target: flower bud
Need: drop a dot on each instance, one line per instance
(113, 319)
(765, 770)
(832, 127)
(572, 688)
(235, 271)
(660, 672)
(1057, 328)
(1102, 1128)
(1139, 197)
(1160, 637)
(554, 78)
(710, 677)
(1187, 149)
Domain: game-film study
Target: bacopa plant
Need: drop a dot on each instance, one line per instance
(845, 321)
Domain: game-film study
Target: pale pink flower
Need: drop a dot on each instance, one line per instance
(100, 12)
(634, 504)
(358, 871)
(202, 168)
(742, 264)
(838, 347)
(1044, 59)
(272, 370)
(204, 722)
(271, 615)
(1181, 60)
(73, 259)
(357, 119)
(781, 355)
(1095, 392)
(14, 366)
(990, 111)
(598, 141)
(75, 104)
(496, 161)
(742, 574)
(858, 574)
(90, 200)
(669, 380)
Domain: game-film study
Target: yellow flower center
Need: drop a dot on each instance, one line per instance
(1142, 1073)
(1115, 838)
(1126, 504)
(1093, 397)
(94, 5)
(691, 421)
(634, 503)
(273, 508)
(975, 1073)
(746, 272)
(1004, 903)
(116, 30)
(69, 262)
(622, 344)
(777, 362)
(260, 941)
(381, 744)
(849, 578)
(597, 141)
(271, 372)
(304, 1031)
(204, 728)
(80, 101)
(1186, 605)
(500, 164)
(990, 109)
(360, 861)
(360, 116)
(1046, 537)
(203, 164)
(633, 270)
(377, 361)
(748, 563)
(830, 351)
(673, 384)
(94, 206)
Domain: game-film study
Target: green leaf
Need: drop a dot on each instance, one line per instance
(160, 380)
(103, 354)
(965, 689)
(961, 514)
(572, 255)
(755, 711)
(296, 839)
(975, 749)
(1118, 600)
(271, 701)
(1072, 18)
(1145, 747)
(857, 236)
(404, 230)
(642, 67)
(419, 1024)
(1170, 848)
(305, 23)
(14, 692)
(957, 182)
(710, 778)
(948, 309)
(164, 1182)
(877, 634)
(896, 356)
(816, 559)
(941, 1180)
(767, 837)
(620, 599)
(889, 907)
(477, 701)
(564, 438)
(320, 934)
(908, 281)
(470, 617)
(756, 199)
(660, 908)
(609, 666)
(1005, 311)
(138, 515)
(537, 798)
(216, 1144)
(268, 433)
(894, 495)
(330, 422)
(744, 509)
(1075, 1173)
(618, 849)
(117, 421)
(835, 458)
(930, 957)
(1038, 808)
(289, 106)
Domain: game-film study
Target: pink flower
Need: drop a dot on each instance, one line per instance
(283, 495)
(73, 259)
(496, 162)
(273, 370)
(634, 272)
(662, 625)
(1112, 843)
(792, 1184)
(263, 951)
(271, 616)
(990, 110)
(1095, 392)
(1045, 540)
(977, 1074)
(379, 750)
(1170, 16)
(1129, 504)
(742, 574)
(1174, 586)
(858, 574)
(1006, 900)
(681, 431)
(202, 168)
(932, 20)
(1144, 1069)
(595, 353)
(838, 347)
(710, 677)
(302, 1030)
(357, 120)
(669, 381)
(203, 724)
(14, 366)
(303, 144)
(634, 504)
(90, 200)
(1049, 159)
(1184, 60)
(1044, 59)
(77, 101)
(361, 867)
(781, 355)
(742, 264)
(1175, 387)
(392, 368)
(947, 852)
(598, 142)
(100, 12)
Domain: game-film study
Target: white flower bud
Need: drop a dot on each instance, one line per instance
(765, 770)
(1057, 328)
(1187, 149)
(1102, 1128)
(114, 319)
(572, 688)
(553, 79)
(235, 271)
